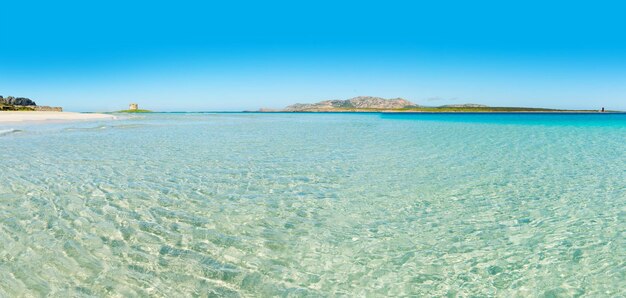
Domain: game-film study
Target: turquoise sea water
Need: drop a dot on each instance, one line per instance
(315, 205)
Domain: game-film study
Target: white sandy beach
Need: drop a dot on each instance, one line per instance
(18, 116)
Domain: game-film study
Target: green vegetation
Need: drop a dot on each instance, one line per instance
(15, 108)
(11, 103)
(134, 111)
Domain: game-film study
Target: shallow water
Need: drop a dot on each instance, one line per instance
(315, 205)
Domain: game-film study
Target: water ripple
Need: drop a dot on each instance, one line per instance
(314, 205)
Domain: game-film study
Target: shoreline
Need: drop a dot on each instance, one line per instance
(443, 112)
(50, 117)
(499, 112)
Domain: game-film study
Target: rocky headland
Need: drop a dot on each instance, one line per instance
(11, 103)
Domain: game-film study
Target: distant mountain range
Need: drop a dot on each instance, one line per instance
(362, 103)
(357, 103)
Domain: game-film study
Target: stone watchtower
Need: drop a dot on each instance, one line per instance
(133, 106)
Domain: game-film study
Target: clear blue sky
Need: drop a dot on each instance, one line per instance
(233, 55)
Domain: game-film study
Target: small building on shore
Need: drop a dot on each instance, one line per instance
(133, 107)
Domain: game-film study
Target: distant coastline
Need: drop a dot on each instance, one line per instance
(438, 111)
(369, 104)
